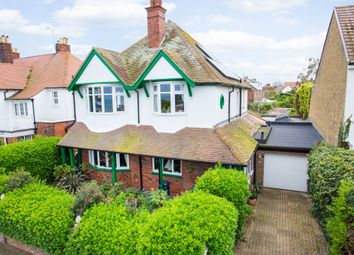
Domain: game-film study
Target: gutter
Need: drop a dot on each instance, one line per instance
(34, 117)
(15, 131)
(5, 97)
(72, 124)
(283, 148)
(229, 106)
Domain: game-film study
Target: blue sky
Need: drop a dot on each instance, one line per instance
(270, 40)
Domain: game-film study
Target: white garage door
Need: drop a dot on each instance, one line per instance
(285, 172)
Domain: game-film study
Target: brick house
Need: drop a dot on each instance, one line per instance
(161, 110)
(332, 101)
(34, 98)
(255, 91)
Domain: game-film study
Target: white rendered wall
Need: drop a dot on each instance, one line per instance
(47, 111)
(162, 69)
(349, 103)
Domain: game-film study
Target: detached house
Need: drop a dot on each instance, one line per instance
(332, 101)
(162, 110)
(33, 92)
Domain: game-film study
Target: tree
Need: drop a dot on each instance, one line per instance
(309, 73)
(303, 99)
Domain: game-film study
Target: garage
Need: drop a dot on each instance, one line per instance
(285, 172)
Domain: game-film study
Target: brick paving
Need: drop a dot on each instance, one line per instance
(283, 225)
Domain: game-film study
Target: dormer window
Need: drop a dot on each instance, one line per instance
(168, 98)
(105, 99)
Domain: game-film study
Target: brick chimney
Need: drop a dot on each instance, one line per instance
(62, 45)
(156, 23)
(5, 50)
(15, 54)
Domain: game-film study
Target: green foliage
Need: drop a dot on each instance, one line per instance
(3, 181)
(284, 100)
(261, 108)
(62, 170)
(328, 166)
(341, 226)
(343, 135)
(18, 179)
(37, 156)
(189, 224)
(154, 199)
(90, 194)
(37, 215)
(304, 99)
(230, 184)
(106, 229)
(72, 182)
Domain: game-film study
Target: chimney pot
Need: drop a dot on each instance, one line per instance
(6, 55)
(156, 23)
(62, 45)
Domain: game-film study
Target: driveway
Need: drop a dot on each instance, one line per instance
(283, 225)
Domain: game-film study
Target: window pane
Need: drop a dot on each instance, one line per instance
(90, 90)
(165, 88)
(16, 109)
(155, 88)
(120, 103)
(97, 90)
(98, 103)
(91, 103)
(26, 110)
(167, 165)
(165, 103)
(108, 103)
(95, 158)
(179, 101)
(119, 90)
(123, 160)
(109, 159)
(22, 110)
(156, 164)
(177, 166)
(107, 90)
(179, 87)
(156, 107)
(102, 158)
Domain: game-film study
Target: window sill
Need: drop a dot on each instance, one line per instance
(106, 113)
(169, 175)
(109, 170)
(169, 114)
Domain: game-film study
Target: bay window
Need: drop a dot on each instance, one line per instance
(103, 159)
(168, 98)
(105, 99)
(21, 109)
(170, 166)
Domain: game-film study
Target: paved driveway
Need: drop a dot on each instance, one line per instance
(283, 225)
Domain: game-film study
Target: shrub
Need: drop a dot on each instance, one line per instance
(154, 199)
(17, 180)
(72, 181)
(3, 180)
(327, 167)
(229, 184)
(38, 156)
(261, 108)
(37, 215)
(341, 226)
(188, 225)
(89, 195)
(106, 229)
(303, 94)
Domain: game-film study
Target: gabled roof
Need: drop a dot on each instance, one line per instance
(345, 19)
(33, 74)
(231, 144)
(180, 49)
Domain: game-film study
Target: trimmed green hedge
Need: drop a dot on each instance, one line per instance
(341, 226)
(3, 181)
(106, 229)
(328, 166)
(38, 215)
(188, 225)
(230, 184)
(38, 156)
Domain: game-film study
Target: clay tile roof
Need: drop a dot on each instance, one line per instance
(184, 51)
(345, 17)
(45, 71)
(231, 144)
(13, 76)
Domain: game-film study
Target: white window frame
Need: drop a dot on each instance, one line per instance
(108, 164)
(172, 93)
(116, 98)
(250, 168)
(21, 109)
(154, 170)
(55, 97)
(25, 138)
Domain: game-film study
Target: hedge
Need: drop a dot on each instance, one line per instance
(38, 215)
(188, 225)
(341, 226)
(37, 156)
(230, 184)
(327, 167)
(106, 229)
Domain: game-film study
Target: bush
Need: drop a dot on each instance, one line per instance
(154, 199)
(38, 156)
(106, 229)
(190, 224)
(261, 108)
(303, 95)
(3, 180)
(90, 194)
(72, 181)
(327, 167)
(341, 226)
(17, 180)
(229, 184)
(37, 215)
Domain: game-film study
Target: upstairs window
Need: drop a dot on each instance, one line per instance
(21, 109)
(105, 99)
(170, 166)
(168, 98)
(55, 96)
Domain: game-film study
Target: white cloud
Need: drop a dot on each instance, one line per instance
(169, 6)
(219, 19)
(265, 5)
(284, 17)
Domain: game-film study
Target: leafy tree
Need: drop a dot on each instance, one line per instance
(343, 135)
(303, 99)
(309, 73)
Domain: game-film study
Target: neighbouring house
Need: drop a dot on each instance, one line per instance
(34, 97)
(159, 113)
(287, 87)
(332, 101)
(255, 92)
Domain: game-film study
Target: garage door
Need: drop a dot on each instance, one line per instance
(285, 172)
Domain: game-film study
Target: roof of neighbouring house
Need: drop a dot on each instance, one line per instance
(181, 48)
(32, 74)
(230, 144)
(345, 18)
